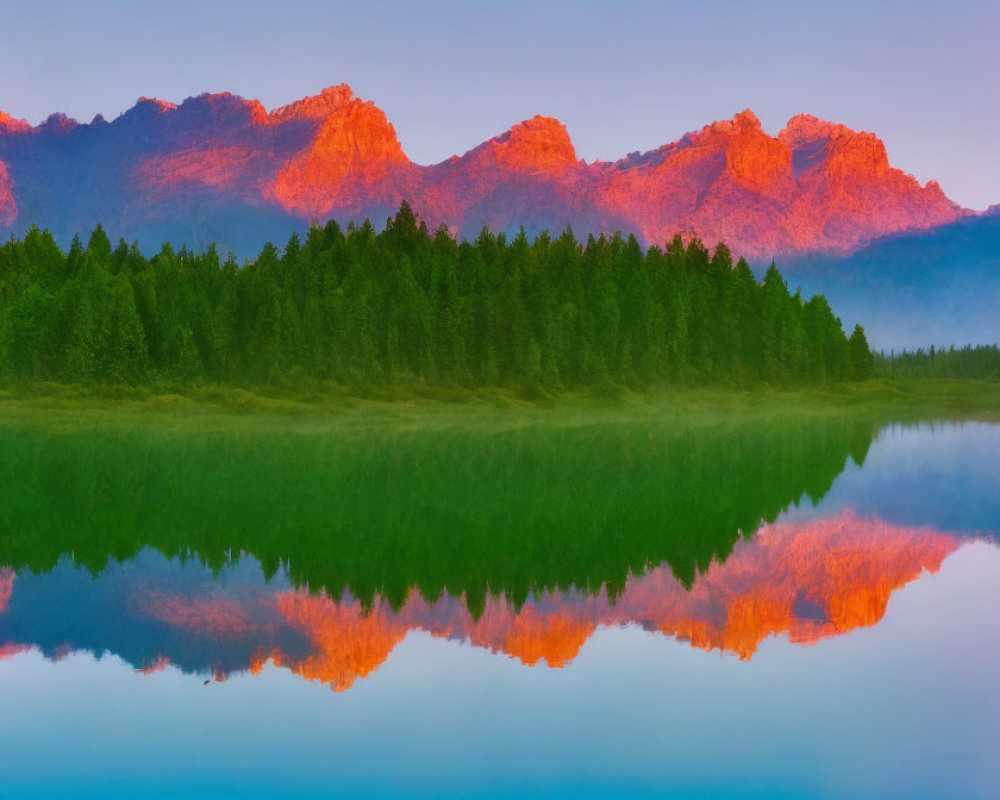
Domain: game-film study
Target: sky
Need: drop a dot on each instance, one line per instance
(622, 76)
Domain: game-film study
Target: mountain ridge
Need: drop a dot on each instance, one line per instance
(216, 166)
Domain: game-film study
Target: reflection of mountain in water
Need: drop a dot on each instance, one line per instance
(6, 588)
(807, 582)
(378, 510)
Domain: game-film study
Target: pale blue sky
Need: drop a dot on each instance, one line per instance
(622, 76)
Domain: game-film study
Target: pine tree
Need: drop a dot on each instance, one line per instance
(402, 305)
(860, 358)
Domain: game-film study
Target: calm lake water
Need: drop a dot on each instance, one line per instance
(806, 608)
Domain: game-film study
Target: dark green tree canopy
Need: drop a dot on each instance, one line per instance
(408, 306)
(861, 361)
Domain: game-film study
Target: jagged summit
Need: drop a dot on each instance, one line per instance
(159, 105)
(319, 106)
(218, 166)
(348, 162)
(538, 144)
(57, 123)
(331, 99)
(9, 124)
(805, 128)
(745, 121)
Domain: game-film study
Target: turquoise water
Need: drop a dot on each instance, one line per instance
(845, 646)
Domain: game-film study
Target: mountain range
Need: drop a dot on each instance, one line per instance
(221, 168)
(900, 257)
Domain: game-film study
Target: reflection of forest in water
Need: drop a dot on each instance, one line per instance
(378, 511)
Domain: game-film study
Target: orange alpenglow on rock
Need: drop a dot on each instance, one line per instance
(755, 161)
(216, 167)
(320, 106)
(354, 150)
(815, 186)
(160, 105)
(538, 146)
(10, 125)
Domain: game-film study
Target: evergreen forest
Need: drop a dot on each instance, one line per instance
(981, 361)
(404, 306)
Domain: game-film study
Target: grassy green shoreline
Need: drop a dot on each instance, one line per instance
(886, 399)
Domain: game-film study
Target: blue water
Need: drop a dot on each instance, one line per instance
(908, 706)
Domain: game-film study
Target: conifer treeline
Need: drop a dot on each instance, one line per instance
(982, 361)
(410, 307)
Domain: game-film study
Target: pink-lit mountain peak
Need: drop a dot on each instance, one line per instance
(215, 161)
(743, 122)
(841, 151)
(161, 106)
(319, 106)
(805, 128)
(717, 137)
(225, 108)
(9, 124)
(353, 160)
(536, 145)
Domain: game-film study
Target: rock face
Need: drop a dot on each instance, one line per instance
(352, 161)
(218, 167)
(10, 125)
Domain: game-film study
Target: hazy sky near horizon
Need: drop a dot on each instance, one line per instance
(622, 76)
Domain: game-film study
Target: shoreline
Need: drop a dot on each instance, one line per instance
(888, 400)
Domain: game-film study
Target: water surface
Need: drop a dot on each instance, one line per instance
(802, 609)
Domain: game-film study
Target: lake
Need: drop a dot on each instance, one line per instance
(801, 606)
